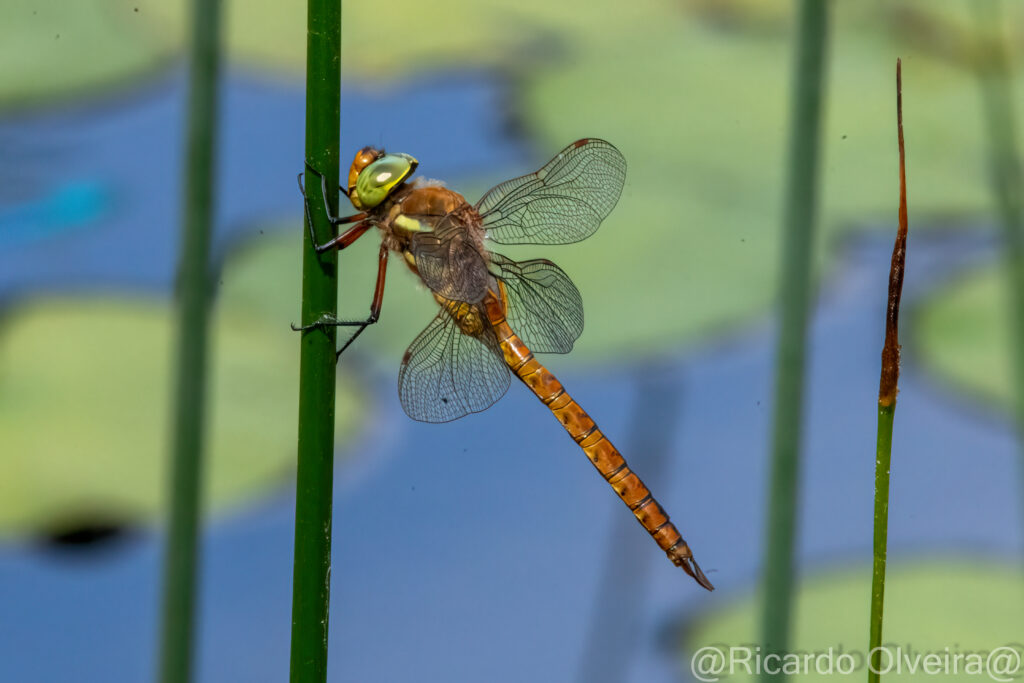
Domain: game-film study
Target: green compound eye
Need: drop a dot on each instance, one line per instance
(380, 178)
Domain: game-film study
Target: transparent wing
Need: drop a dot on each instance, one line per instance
(450, 262)
(544, 307)
(447, 374)
(563, 202)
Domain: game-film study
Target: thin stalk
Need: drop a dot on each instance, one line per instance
(993, 72)
(883, 457)
(795, 294)
(177, 637)
(315, 473)
(888, 387)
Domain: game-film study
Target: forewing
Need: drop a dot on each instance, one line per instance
(544, 307)
(563, 202)
(449, 262)
(447, 374)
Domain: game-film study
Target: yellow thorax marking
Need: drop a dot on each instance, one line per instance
(406, 224)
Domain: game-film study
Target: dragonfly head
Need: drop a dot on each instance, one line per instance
(364, 157)
(374, 175)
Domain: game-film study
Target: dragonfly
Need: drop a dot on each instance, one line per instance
(494, 313)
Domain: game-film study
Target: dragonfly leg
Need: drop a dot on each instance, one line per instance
(375, 307)
(326, 320)
(334, 220)
(344, 239)
(378, 299)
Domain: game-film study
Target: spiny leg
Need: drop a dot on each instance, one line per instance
(334, 220)
(378, 299)
(344, 239)
(375, 307)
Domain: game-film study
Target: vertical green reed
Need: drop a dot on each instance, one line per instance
(795, 287)
(880, 545)
(888, 387)
(994, 72)
(315, 474)
(194, 280)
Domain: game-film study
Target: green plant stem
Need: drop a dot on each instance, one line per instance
(994, 74)
(193, 322)
(315, 473)
(888, 388)
(798, 222)
(883, 458)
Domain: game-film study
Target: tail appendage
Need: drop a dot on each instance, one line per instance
(604, 456)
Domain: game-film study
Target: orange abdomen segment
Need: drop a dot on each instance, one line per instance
(601, 452)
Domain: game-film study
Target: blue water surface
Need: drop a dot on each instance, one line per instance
(114, 167)
(476, 551)
(472, 551)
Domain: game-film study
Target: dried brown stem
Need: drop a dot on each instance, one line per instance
(887, 386)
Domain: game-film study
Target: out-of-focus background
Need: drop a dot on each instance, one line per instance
(488, 549)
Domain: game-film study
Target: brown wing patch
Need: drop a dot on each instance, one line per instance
(450, 260)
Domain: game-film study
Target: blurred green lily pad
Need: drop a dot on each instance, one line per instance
(962, 334)
(700, 111)
(692, 247)
(69, 47)
(127, 39)
(85, 390)
(941, 606)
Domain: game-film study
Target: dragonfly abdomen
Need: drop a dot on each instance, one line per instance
(467, 316)
(613, 467)
(605, 457)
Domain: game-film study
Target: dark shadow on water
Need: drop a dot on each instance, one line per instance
(84, 535)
